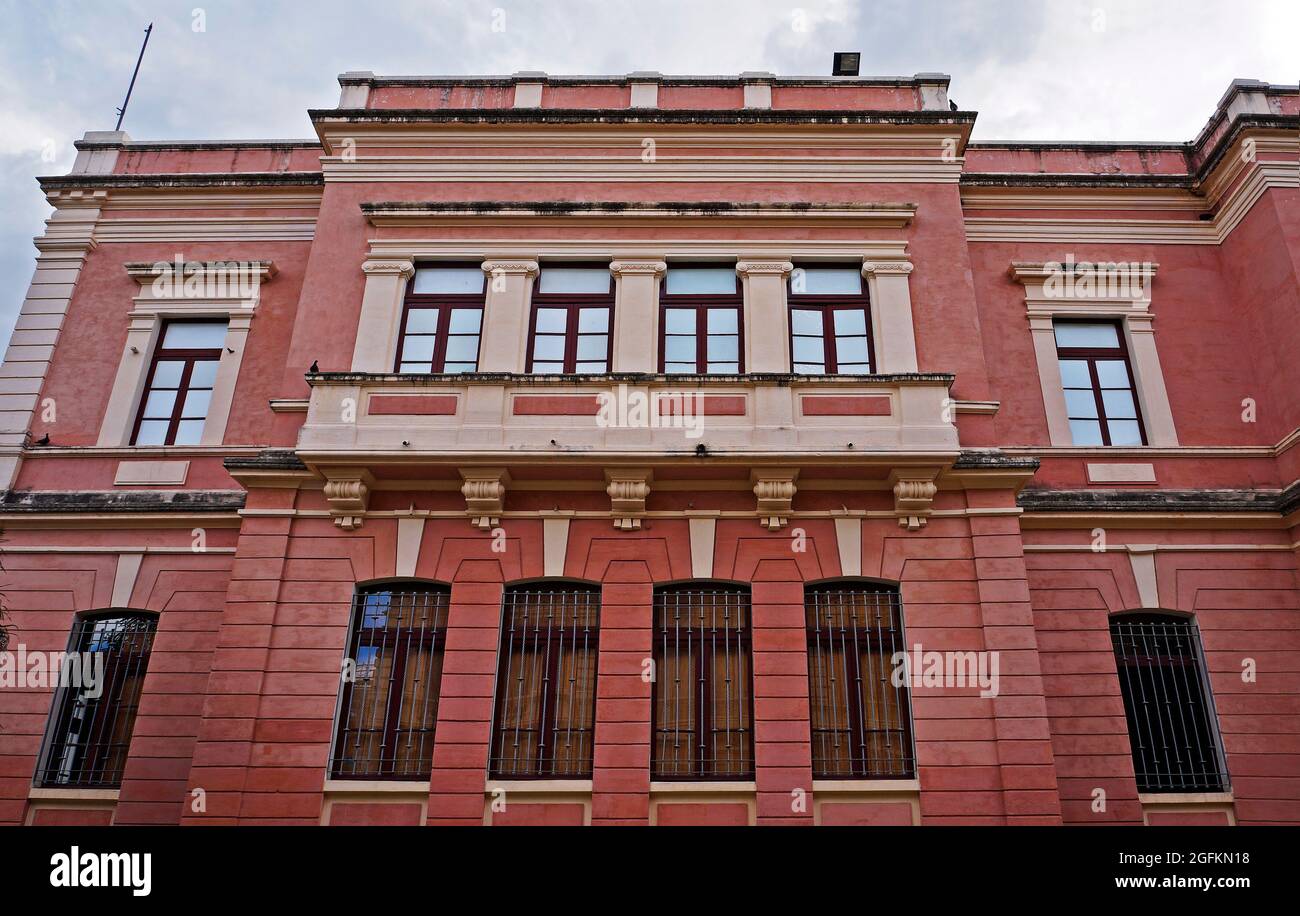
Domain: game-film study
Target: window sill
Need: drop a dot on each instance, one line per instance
(1185, 798)
(866, 786)
(703, 787)
(50, 794)
(376, 786)
(538, 786)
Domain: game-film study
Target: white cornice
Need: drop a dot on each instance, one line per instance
(207, 229)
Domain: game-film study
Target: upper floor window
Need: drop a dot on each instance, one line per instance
(94, 714)
(573, 308)
(703, 686)
(860, 719)
(1098, 382)
(700, 321)
(388, 707)
(441, 319)
(546, 690)
(830, 328)
(1171, 722)
(178, 389)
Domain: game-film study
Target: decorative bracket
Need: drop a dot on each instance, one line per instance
(347, 491)
(485, 495)
(775, 490)
(914, 491)
(628, 489)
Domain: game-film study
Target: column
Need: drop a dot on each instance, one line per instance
(636, 315)
(504, 345)
(767, 336)
(381, 314)
(891, 315)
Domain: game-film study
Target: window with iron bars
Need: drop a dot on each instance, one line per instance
(703, 686)
(1167, 700)
(388, 706)
(546, 689)
(90, 735)
(860, 717)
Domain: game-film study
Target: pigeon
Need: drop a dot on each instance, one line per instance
(315, 366)
(43, 440)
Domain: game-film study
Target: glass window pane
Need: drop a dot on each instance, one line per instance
(1125, 432)
(194, 335)
(188, 432)
(167, 374)
(552, 321)
(449, 280)
(548, 368)
(1080, 404)
(152, 432)
(806, 321)
(712, 281)
(680, 368)
(850, 349)
(159, 404)
(809, 350)
(593, 320)
(416, 367)
(462, 349)
(679, 349)
(592, 346)
(196, 405)
(724, 321)
(854, 368)
(850, 322)
(204, 373)
(1119, 405)
(418, 349)
(548, 347)
(460, 367)
(1112, 373)
(1085, 432)
(465, 321)
(723, 368)
(725, 348)
(592, 367)
(422, 321)
(1074, 373)
(574, 280)
(1086, 334)
(809, 368)
(679, 321)
(826, 281)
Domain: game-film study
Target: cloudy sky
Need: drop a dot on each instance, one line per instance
(237, 69)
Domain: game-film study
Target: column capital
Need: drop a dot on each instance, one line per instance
(652, 267)
(753, 267)
(521, 266)
(388, 267)
(886, 268)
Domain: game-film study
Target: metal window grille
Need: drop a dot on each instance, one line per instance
(91, 735)
(546, 692)
(703, 686)
(1168, 704)
(389, 701)
(860, 718)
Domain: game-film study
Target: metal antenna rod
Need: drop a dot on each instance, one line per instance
(121, 112)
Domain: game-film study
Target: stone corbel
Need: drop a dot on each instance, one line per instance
(347, 491)
(628, 489)
(775, 490)
(914, 492)
(485, 495)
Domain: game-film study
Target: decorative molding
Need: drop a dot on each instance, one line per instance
(347, 490)
(394, 267)
(914, 492)
(885, 268)
(775, 490)
(526, 268)
(628, 489)
(484, 490)
(764, 268)
(655, 268)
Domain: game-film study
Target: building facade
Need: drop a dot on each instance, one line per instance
(655, 450)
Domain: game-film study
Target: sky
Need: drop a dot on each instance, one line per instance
(250, 69)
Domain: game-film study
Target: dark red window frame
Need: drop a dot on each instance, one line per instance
(572, 303)
(704, 622)
(827, 305)
(189, 356)
(701, 303)
(444, 303)
(1110, 354)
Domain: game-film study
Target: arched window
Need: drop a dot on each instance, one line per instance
(703, 685)
(860, 716)
(100, 683)
(546, 688)
(1167, 701)
(388, 706)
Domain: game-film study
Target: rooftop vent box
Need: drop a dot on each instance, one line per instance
(846, 63)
